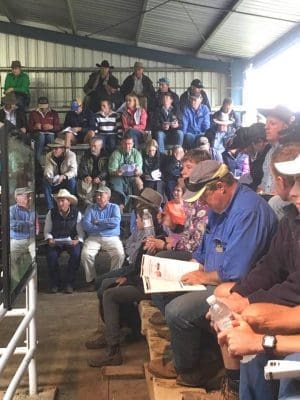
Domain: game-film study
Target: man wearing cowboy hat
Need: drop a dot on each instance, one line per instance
(43, 123)
(14, 114)
(141, 85)
(239, 231)
(22, 232)
(60, 170)
(92, 171)
(99, 84)
(63, 232)
(101, 222)
(18, 82)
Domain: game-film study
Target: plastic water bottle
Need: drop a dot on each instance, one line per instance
(148, 223)
(220, 315)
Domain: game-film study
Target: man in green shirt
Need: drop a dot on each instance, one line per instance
(18, 82)
(125, 168)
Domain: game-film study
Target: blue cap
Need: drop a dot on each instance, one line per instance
(75, 105)
(164, 80)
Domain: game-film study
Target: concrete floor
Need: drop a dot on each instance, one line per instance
(64, 322)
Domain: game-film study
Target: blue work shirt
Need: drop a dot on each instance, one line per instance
(238, 237)
(195, 121)
(102, 221)
(22, 222)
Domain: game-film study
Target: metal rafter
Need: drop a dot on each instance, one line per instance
(71, 16)
(141, 20)
(221, 21)
(7, 12)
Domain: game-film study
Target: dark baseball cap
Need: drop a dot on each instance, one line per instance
(197, 83)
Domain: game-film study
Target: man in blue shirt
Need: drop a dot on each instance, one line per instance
(239, 231)
(22, 233)
(101, 222)
(195, 121)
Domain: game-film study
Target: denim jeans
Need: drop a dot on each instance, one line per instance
(41, 140)
(253, 385)
(173, 137)
(185, 316)
(69, 184)
(109, 142)
(53, 254)
(190, 140)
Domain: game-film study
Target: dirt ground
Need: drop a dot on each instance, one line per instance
(64, 322)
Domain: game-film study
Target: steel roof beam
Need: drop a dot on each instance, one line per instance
(141, 20)
(71, 16)
(7, 12)
(214, 29)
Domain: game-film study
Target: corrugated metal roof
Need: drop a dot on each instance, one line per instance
(189, 26)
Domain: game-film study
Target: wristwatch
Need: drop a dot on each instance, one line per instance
(269, 344)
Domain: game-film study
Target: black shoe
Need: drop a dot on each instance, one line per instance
(69, 289)
(114, 357)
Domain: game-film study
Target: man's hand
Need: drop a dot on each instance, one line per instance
(119, 172)
(61, 178)
(137, 172)
(47, 127)
(23, 130)
(77, 129)
(88, 179)
(51, 242)
(174, 124)
(152, 244)
(121, 280)
(236, 302)
(74, 242)
(194, 278)
(241, 339)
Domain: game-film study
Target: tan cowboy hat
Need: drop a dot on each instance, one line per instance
(222, 119)
(64, 193)
(149, 197)
(58, 142)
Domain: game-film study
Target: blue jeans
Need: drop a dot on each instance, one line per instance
(41, 140)
(69, 184)
(137, 137)
(53, 254)
(172, 137)
(190, 140)
(289, 388)
(253, 385)
(185, 316)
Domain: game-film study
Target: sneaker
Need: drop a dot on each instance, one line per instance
(112, 358)
(162, 368)
(98, 342)
(54, 289)
(227, 393)
(69, 289)
(157, 319)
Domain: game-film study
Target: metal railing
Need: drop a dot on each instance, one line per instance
(27, 326)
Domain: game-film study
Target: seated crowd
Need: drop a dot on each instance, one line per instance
(226, 197)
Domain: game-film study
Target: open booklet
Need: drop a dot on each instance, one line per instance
(162, 275)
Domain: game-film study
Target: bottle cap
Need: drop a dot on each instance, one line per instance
(211, 300)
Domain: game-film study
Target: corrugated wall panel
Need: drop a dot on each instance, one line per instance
(61, 86)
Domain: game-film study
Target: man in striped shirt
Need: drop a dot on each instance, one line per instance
(105, 124)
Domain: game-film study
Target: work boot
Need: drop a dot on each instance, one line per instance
(208, 375)
(114, 357)
(163, 333)
(98, 342)
(162, 368)
(157, 319)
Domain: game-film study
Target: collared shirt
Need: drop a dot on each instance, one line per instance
(238, 237)
(119, 158)
(268, 183)
(102, 221)
(22, 222)
(11, 116)
(195, 121)
(138, 85)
